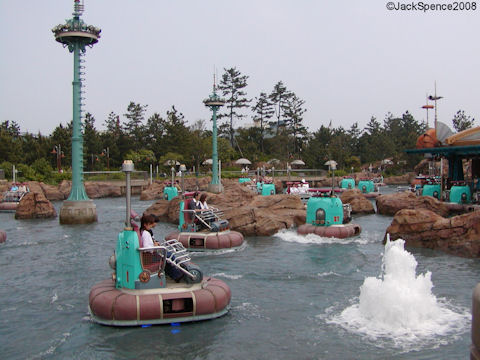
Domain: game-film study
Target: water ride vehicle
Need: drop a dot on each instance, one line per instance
(154, 285)
(11, 198)
(266, 187)
(204, 230)
(347, 183)
(325, 217)
(368, 188)
(459, 193)
(431, 187)
(170, 190)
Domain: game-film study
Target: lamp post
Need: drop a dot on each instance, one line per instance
(182, 169)
(107, 152)
(435, 98)
(57, 150)
(214, 102)
(75, 35)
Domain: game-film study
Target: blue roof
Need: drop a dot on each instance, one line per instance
(467, 151)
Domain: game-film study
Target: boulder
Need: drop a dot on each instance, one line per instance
(153, 191)
(459, 235)
(359, 203)
(99, 189)
(3, 236)
(389, 204)
(52, 193)
(399, 180)
(247, 213)
(35, 205)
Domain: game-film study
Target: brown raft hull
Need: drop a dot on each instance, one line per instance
(8, 206)
(335, 231)
(179, 303)
(200, 241)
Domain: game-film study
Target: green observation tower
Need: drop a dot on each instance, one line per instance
(214, 102)
(76, 36)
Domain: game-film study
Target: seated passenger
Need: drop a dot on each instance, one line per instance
(203, 202)
(147, 224)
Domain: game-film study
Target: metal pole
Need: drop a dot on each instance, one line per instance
(14, 173)
(219, 171)
(128, 167)
(151, 174)
(173, 175)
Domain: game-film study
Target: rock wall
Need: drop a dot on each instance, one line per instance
(35, 205)
(459, 235)
(248, 213)
(359, 203)
(389, 204)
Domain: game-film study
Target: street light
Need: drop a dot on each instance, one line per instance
(107, 151)
(435, 98)
(57, 150)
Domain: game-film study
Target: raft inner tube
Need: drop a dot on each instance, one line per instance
(200, 241)
(178, 302)
(334, 231)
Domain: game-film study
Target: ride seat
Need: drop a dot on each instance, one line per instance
(187, 215)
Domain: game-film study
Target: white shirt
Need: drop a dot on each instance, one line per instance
(147, 240)
(203, 205)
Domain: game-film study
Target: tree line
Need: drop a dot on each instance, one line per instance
(278, 132)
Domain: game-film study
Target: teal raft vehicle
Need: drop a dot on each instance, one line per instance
(347, 183)
(460, 193)
(204, 230)
(431, 187)
(328, 217)
(154, 285)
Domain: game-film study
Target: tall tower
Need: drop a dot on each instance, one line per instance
(214, 102)
(76, 35)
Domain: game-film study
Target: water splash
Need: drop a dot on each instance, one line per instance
(400, 307)
(292, 236)
(228, 276)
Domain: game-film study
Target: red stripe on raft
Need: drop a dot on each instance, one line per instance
(212, 241)
(340, 232)
(109, 303)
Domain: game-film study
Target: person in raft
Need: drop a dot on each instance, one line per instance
(147, 224)
(203, 202)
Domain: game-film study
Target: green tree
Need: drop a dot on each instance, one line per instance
(10, 142)
(263, 111)
(232, 86)
(134, 125)
(91, 140)
(278, 97)
(294, 111)
(461, 121)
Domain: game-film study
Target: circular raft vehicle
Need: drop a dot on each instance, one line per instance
(326, 217)
(204, 230)
(155, 285)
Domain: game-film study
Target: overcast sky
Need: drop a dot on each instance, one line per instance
(349, 60)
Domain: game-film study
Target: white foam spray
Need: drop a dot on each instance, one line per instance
(292, 236)
(400, 306)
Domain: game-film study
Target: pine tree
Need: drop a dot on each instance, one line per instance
(461, 121)
(278, 97)
(232, 85)
(263, 109)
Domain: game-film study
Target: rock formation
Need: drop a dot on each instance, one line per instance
(459, 235)
(3, 236)
(389, 204)
(248, 213)
(35, 205)
(359, 203)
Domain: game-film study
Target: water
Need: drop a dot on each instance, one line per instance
(292, 297)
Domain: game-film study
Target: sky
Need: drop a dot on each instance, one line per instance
(348, 60)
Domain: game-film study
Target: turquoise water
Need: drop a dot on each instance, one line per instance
(292, 297)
